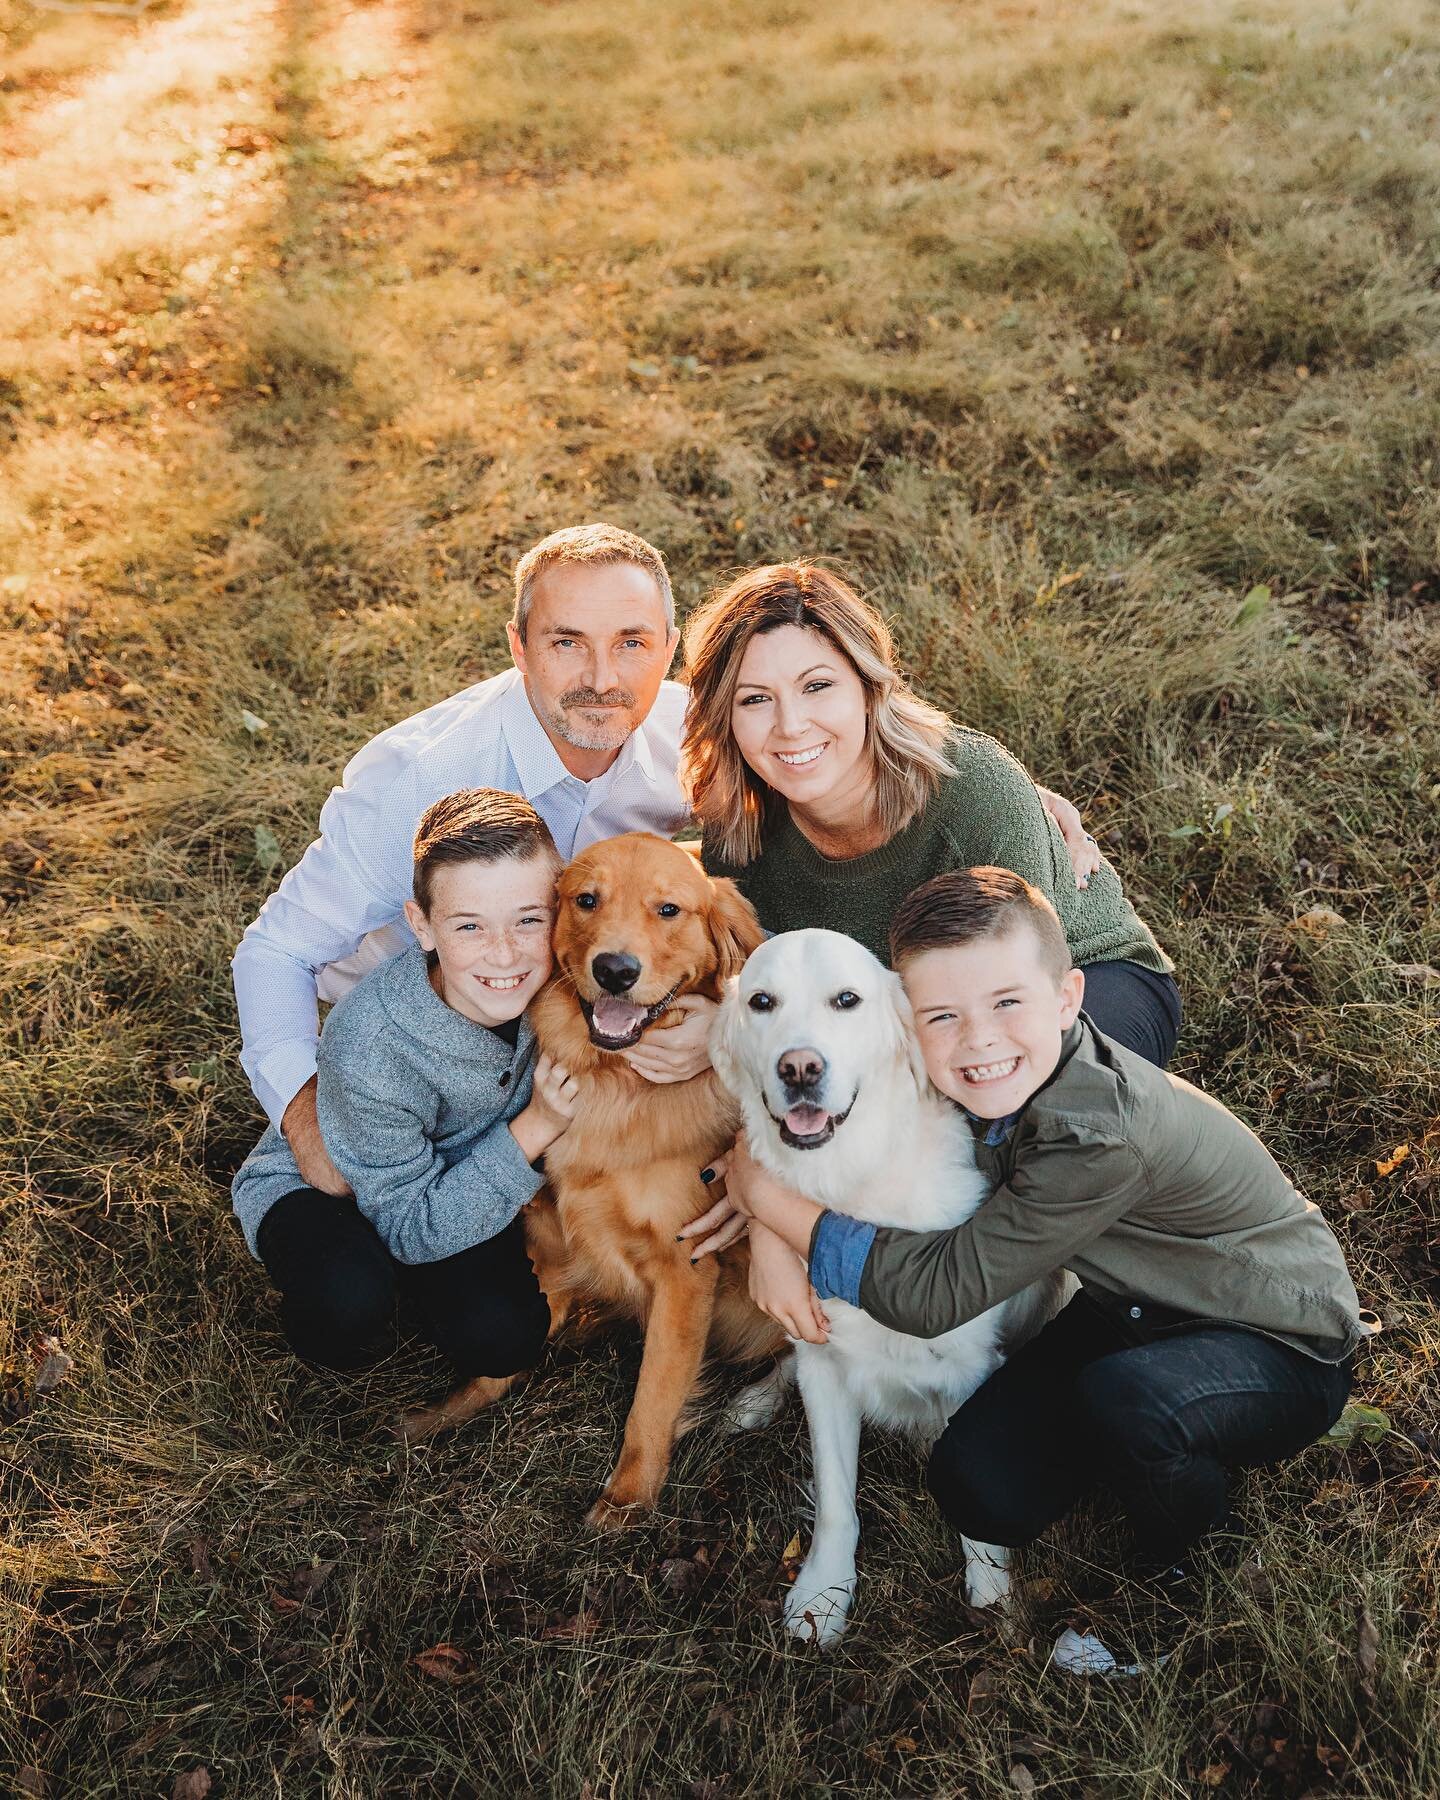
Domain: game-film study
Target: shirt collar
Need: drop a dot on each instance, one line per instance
(537, 761)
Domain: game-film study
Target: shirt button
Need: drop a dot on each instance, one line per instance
(1134, 1312)
(505, 1079)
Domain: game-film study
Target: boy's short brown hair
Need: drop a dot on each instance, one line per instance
(966, 904)
(483, 825)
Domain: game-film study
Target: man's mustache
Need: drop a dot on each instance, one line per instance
(617, 697)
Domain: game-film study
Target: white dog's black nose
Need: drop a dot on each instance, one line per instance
(800, 1069)
(616, 972)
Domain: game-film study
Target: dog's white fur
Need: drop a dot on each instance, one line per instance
(901, 1157)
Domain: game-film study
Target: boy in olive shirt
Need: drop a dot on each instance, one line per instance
(1216, 1320)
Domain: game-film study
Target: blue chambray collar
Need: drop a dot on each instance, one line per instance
(997, 1130)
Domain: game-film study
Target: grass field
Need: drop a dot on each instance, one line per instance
(1101, 344)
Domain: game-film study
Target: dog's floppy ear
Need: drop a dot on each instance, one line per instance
(725, 1038)
(908, 1039)
(734, 929)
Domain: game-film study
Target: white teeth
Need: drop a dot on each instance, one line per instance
(995, 1071)
(501, 983)
(797, 759)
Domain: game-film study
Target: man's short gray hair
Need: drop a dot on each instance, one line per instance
(588, 544)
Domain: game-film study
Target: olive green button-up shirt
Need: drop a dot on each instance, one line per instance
(1151, 1193)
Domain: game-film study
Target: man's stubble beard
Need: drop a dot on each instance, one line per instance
(568, 720)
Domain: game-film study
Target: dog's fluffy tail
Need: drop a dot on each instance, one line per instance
(1034, 1307)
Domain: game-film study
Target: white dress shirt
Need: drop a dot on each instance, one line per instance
(351, 885)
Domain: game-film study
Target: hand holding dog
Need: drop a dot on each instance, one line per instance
(780, 1286)
(554, 1101)
(680, 1051)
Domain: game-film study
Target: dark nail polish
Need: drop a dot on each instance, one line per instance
(707, 1176)
(694, 1262)
(679, 1237)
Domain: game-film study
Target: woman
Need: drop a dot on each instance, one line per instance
(829, 791)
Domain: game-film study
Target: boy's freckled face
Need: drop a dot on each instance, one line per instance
(991, 1015)
(489, 925)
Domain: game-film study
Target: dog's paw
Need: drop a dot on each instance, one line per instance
(755, 1406)
(816, 1610)
(613, 1514)
(987, 1575)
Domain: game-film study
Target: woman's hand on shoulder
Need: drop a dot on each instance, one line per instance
(1084, 851)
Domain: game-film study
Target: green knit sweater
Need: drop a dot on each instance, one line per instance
(987, 812)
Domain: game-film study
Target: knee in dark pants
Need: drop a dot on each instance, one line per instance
(1123, 1416)
(344, 1318)
(501, 1337)
(972, 1497)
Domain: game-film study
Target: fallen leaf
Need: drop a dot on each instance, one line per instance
(267, 848)
(1253, 605)
(680, 1575)
(200, 1565)
(791, 1552)
(984, 1685)
(1387, 1165)
(443, 1662)
(1319, 921)
(56, 1366)
(1421, 972)
(30, 1780)
(309, 1578)
(583, 1624)
(1213, 1774)
(193, 1784)
(252, 722)
(1359, 1423)
(1367, 1650)
(1021, 1779)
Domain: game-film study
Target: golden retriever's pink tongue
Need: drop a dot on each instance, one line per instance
(615, 1018)
(805, 1121)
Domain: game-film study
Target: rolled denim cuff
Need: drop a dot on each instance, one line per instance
(839, 1249)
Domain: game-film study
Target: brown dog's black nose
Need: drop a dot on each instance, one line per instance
(616, 972)
(800, 1068)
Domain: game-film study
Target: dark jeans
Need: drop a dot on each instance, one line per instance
(1158, 1424)
(340, 1288)
(1136, 1006)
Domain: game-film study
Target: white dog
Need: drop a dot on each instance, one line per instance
(816, 1040)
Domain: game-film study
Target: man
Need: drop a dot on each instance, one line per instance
(585, 726)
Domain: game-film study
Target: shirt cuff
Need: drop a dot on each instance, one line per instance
(839, 1249)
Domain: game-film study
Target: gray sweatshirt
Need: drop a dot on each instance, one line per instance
(414, 1101)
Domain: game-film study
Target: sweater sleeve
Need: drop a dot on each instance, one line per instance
(1058, 1201)
(423, 1210)
(996, 816)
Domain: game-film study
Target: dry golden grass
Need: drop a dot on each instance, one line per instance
(1062, 327)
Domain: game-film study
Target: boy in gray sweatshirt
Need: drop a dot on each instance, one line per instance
(436, 1110)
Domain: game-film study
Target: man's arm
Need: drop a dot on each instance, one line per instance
(1084, 851)
(354, 877)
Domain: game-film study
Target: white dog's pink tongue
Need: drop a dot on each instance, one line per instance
(805, 1121)
(616, 1018)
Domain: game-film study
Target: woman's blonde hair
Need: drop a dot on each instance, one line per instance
(906, 736)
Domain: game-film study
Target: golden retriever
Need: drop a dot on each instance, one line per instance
(638, 924)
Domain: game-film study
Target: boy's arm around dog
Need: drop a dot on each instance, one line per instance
(1149, 1191)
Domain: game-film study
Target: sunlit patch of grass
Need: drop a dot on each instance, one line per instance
(1063, 328)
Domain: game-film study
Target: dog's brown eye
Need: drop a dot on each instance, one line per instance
(667, 909)
(845, 999)
(761, 1002)
(587, 902)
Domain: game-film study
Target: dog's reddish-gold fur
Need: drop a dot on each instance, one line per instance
(625, 1176)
